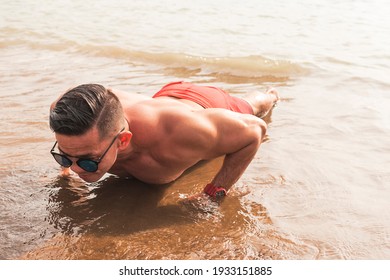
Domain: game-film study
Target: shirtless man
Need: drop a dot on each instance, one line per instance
(155, 140)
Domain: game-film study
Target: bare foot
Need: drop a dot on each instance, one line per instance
(262, 103)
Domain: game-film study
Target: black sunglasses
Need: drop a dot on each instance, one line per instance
(86, 164)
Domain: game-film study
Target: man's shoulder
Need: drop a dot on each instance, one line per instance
(162, 117)
(129, 99)
(158, 109)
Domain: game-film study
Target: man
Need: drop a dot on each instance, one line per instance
(155, 140)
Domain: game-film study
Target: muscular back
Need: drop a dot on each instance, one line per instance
(169, 137)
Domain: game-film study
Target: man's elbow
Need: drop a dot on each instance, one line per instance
(257, 135)
(262, 129)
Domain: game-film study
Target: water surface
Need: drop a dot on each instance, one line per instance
(318, 187)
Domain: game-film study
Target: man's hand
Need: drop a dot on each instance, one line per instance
(215, 192)
(201, 202)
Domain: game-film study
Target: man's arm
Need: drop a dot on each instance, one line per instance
(220, 132)
(236, 162)
(241, 137)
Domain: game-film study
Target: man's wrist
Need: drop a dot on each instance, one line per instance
(215, 191)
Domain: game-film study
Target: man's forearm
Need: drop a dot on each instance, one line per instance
(234, 166)
(246, 140)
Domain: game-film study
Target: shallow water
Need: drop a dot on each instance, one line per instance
(317, 189)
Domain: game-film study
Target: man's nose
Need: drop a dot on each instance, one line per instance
(75, 168)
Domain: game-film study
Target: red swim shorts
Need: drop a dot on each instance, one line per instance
(205, 96)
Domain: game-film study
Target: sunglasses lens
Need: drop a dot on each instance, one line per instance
(62, 160)
(88, 165)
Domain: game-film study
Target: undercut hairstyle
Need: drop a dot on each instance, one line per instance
(85, 106)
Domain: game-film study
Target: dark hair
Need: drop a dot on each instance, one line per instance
(85, 106)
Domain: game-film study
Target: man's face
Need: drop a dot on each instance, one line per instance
(88, 146)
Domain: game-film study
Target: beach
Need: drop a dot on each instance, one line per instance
(318, 188)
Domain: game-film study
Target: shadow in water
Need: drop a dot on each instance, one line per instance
(117, 206)
(127, 219)
(113, 206)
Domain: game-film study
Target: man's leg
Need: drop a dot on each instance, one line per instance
(262, 103)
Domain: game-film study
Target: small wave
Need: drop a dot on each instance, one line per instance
(252, 67)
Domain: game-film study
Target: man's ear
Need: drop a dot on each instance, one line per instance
(124, 139)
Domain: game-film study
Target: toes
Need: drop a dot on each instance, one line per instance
(275, 93)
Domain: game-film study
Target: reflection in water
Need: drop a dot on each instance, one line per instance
(127, 219)
(111, 207)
